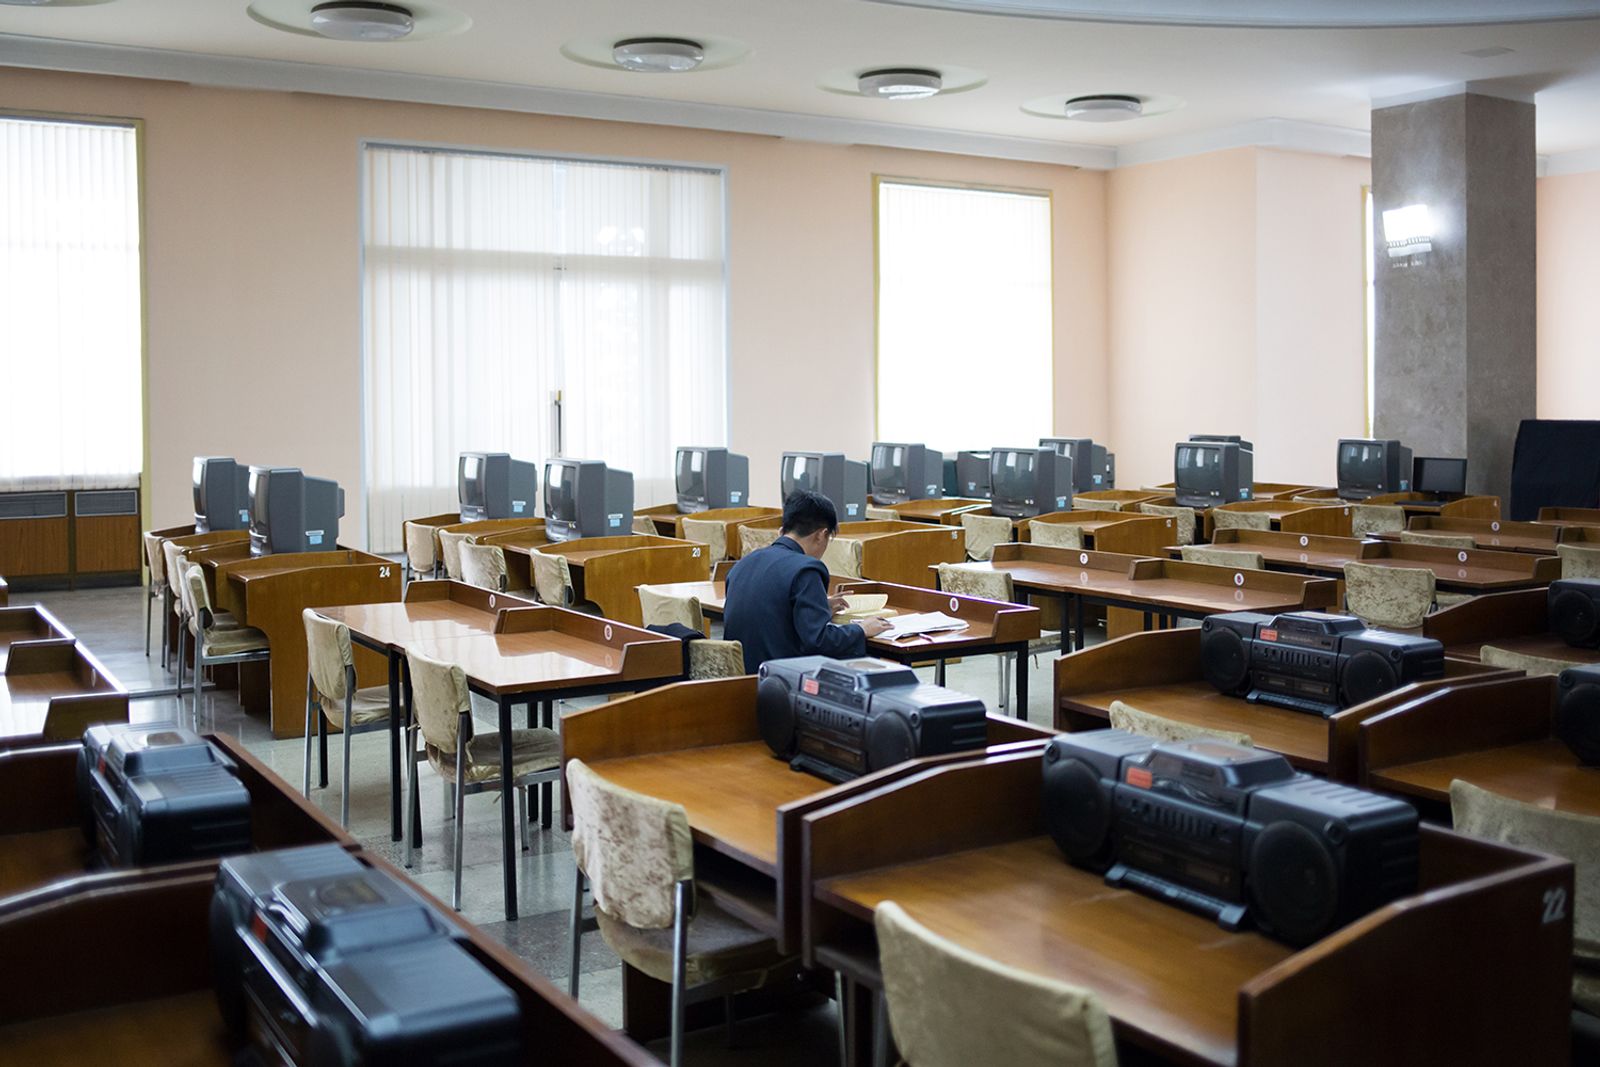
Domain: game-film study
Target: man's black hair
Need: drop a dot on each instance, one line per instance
(806, 512)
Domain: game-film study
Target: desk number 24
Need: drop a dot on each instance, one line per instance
(1555, 905)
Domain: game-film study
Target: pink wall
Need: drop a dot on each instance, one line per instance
(1569, 296)
(253, 280)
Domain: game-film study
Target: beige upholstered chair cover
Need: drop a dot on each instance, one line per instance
(419, 547)
(711, 533)
(1442, 599)
(439, 696)
(1056, 534)
(1237, 558)
(715, 659)
(877, 514)
(1492, 656)
(1148, 724)
(643, 524)
(552, 578)
(663, 609)
(328, 653)
(1223, 519)
(1086, 503)
(633, 848)
(843, 557)
(214, 640)
(173, 558)
(1183, 520)
(1437, 540)
(983, 533)
(156, 556)
(963, 580)
(1579, 561)
(1376, 518)
(1396, 598)
(950, 1007)
(450, 552)
(1571, 836)
(752, 538)
(484, 566)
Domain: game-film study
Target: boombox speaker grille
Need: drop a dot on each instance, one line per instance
(1223, 658)
(889, 741)
(1367, 674)
(1077, 811)
(1573, 618)
(775, 716)
(1294, 881)
(1578, 721)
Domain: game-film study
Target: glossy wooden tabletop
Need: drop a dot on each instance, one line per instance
(1100, 577)
(1471, 570)
(1155, 967)
(25, 698)
(529, 662)
(1291, 551)
(183, 1029)
(1545, 646)
(935, 509)
(1542, 772)
(27, 624)
(731, 794)
(399, 625)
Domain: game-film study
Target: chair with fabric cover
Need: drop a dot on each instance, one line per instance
(552, 582)
(1566, 834)
(1223, 519)
(643, 525)
(637, 856)
(1368, 519)
(450, 542)
(1437, 540)
(1395, 598)
(976, 580)
(173, 563)
(1579, 561)
(484, 566)
(1148, 724)
(214, 644)
(752, 538)
(983, 532)
(951, 1007)
(1237, 558)
(711, 533)
(156, 559)
(1442, 599)
(877, 514)
(660, 608)
(1183, 519)
(843, 557)
(1494, 656)
(1056, 534)
(466, 760)
(421, 559)
(331, 688)
(1088, 503)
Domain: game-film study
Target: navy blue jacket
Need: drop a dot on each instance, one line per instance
(777, 607)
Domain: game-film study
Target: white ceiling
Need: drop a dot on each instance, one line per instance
(1224, 77)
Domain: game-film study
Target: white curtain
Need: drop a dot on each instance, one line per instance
(71, 341)
(964, 296)
(493, 281)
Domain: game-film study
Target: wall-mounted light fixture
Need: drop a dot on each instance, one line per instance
(1408, 231)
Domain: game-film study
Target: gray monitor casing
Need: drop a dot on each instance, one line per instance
(603, 501)
(511, 487)
(302, 513)
(727, 480)
(843, 481)
(221, 494)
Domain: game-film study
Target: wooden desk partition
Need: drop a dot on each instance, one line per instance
(1125, 532)
(946, 511)
(1296, 552)
(22, 626)
(663, 516)
(1467, 970)
(271, 592)
(1468, 570)
(904, 552)
(1570, 516)
(53, 691)
(1505, 535)
(608, 571)
(1127, 499)
(1159, 672)
(732, 519)
(1290, 516)
(1516, 622)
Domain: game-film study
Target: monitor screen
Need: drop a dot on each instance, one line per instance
(200, 485)
(1435, 474)
(560, 492)
(692, 473)
(801, 471)
(1200, 467)
(888, 467)
(1012, 472)
(260, 519)
(1361, 463)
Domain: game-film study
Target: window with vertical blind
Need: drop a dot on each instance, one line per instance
(494, 282)
(964, 315)
(71, 349)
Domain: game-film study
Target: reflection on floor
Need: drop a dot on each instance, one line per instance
(108, 621)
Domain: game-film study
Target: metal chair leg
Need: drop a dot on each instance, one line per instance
(840, 993)
(416, 787)
(577, 934)
(149, 606)
(322, 752)
(310, 704)
(1005, 684)
(461, 823)
(880, 1030)
(522, 815)
(680, 964)
(344, 783)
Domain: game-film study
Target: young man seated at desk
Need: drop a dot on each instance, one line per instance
(777, 602)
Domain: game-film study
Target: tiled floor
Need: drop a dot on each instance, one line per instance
(108, 621)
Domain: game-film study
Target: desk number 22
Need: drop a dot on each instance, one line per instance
(1555, 905)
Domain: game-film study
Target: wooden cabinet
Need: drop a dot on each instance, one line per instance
(66, 538)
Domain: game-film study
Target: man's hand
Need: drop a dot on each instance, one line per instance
(873, 627)
(837, 603)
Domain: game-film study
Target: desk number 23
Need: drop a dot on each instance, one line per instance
(1555, 905)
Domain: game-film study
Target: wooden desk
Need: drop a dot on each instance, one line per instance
(1490, 533)
(1462, 507)
(1494, 734)
(1570, 516)
(1278, 490)
(607, 571)
(1289, 516)
(271, 592)
(1464, 971)
(53, 691)
(42, 843)
(1467, 570)
(203, 548)
(1127, 532)
(22, 626)
(945, 511)
(1297, 553)
(158, 1005)
(538, 655)
(903, 552)
(1128, 499)
(1517, 622)
(5, 593)
(1159, 672)
(698, 744)
(1154, 586)
(431, 611)
(732, 519)
(663, 516)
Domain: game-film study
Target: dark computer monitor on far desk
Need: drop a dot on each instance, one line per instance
(290, 512)
(710, 478)
(1026, 482)
(586, 498)
(901, 472)
(221, 494)
(1439, 476)
(492, 485)
(843, 481)
(1373, 467)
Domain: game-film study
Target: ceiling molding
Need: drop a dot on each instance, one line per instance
(1439, 92)
(233, 72)
(1288, 134)
(1582, 161)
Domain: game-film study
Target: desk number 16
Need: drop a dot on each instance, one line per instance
(1555, 905)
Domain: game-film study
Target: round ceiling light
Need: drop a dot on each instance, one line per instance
(658, 55)
(1104, 108)
(905, 83)
(361, 20)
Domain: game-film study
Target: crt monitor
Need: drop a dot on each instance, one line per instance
(1208, 473)
(972, 474)
(900, 472)
(843, 481)
(492, 485)
(1369, 467)
(290, 512)
(1231, 438)
(711, 478)
(586, 498)
(1439, 476)
(1088, 460)
(221, 494)
(1024, 482)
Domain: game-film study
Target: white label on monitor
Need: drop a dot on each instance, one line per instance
(313, 537)
(518, 506)
(1404, 485)
(1061, 503)
(1098, 478)
(850, 509)
(244, 516)
(613, 520)
(734, 496)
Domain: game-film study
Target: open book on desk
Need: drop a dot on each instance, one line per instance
(928, 622)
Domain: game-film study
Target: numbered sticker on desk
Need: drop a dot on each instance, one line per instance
(1083, 577)
(1238, 578)
(1495, 526)
(1461, 557)
(1304, 541)
(696, 553)
(383, 572)
(491, 601)
(1555, 905)
(955, 604)
(1083, 559)
(608, 631)
(1238, 594)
